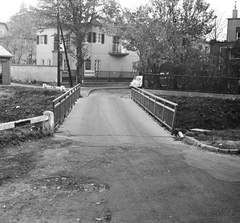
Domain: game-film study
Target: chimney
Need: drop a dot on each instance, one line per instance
(235, 11)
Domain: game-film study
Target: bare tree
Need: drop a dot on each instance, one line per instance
(21, 41)
(76, 17)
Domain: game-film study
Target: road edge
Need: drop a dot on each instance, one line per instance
(192, 141)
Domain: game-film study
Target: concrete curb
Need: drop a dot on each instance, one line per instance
(191, 141)
(105, 88)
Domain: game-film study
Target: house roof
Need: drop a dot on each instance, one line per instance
(4, 52)
(3, 23)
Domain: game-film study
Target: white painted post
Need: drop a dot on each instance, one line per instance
(48, 126)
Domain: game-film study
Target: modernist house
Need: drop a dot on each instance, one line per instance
(107, 57)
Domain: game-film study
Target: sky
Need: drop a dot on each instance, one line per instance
(223, 8)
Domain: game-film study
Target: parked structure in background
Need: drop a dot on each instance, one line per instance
(5, 57)
(203, 45)
(106, 55)
(3, 29)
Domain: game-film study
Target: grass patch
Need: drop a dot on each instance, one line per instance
(221, 116)
(21, 103)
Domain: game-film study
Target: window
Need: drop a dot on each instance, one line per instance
(55, 43)
(89, 37)
(88, 64)
(1, 33)
(116, 44)
(116, 40)
(65, 64)
(42, 61)
(238, 35)
(1, 71)
(97, 67)
(67, 41)
(103, 39)
(99, 37)
(42, 39)
(48, 62)
(93, 37)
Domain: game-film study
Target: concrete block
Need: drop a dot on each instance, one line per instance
(48, 126)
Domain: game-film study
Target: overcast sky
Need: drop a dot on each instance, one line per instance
(223, 8)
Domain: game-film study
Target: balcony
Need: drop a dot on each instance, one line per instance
(117, 50)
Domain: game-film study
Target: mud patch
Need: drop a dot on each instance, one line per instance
(92, 163)
(70, 183)
(120, 149)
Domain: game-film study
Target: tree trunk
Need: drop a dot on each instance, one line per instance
(80, 63)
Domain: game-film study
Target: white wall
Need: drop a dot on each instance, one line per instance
(37, 73)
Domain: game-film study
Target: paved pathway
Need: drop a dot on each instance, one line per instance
(152, 177)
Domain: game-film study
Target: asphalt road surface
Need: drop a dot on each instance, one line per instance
(145, 174)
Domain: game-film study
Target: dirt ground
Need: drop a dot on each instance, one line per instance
(51, 181)
(37, 185)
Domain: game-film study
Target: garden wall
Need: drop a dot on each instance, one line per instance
(34, 73)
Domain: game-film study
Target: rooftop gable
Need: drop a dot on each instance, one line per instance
(4, 52)
(2, 23)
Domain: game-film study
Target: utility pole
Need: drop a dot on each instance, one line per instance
(66, 55)
(58, 47)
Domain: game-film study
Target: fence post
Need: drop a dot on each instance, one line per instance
(174, 118)
(48, 126)
(154, 106)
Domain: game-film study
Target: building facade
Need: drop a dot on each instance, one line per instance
(233, 26)
(233, 35)
(106, 55)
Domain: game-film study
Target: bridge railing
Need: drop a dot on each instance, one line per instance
(163, 110)
(63, 104)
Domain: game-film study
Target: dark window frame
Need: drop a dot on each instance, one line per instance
(87, 64)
